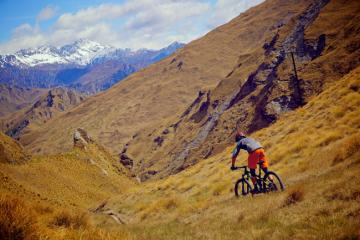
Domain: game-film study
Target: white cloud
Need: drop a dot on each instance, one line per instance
(134, 24)
(226, 10)
(47, 13)
(166, 14)
(22, 30)
(88, 16)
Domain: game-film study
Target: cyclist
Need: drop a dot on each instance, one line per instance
(256, 154)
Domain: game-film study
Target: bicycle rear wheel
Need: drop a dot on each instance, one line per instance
(272, 183)
(242, 187)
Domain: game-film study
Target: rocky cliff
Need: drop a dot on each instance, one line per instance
(49, 105)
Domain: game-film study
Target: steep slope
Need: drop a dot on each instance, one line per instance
(82, 176)
(152, 95)
(315, 149)
(14, 98)
(11, 151)
(58, 189)
(52, 103)
(262, 85)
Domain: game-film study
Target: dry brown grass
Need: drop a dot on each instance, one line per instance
(294, 196)
(319, 203)
(17, 221)
(68, 220)
(348, 147)
(314, 149)
(10, 151)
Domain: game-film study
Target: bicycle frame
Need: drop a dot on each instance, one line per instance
(246, 174)
(259, 179)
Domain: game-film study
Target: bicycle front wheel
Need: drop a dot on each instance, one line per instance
(242, 187)
(273, 183)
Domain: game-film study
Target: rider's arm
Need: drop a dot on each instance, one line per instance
(233, 160)
(235, 153)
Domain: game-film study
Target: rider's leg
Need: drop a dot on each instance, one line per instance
(265, 164)
(253, 178)
(252, 164)
(265, 169)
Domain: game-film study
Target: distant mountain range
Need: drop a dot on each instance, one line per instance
(84, 65)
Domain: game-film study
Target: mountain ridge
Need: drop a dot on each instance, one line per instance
(48, 66)
(47, 106)
(81, 52)
(15, 98)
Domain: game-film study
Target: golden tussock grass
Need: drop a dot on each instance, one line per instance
(30, 221)
(314, 151)
(294, 196)
(68, 220)
(17, 221)
(347, 148)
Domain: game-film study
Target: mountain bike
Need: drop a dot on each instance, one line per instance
(271, 182)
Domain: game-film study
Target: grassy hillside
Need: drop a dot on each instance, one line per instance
(261, 87)
(85, 194)
(315, 150)
(50, 196)
(11, 151)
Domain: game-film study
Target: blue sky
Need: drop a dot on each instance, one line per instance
(124, 23)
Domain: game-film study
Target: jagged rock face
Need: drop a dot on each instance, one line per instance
(14, 98)
(263, 85)
(126, 161)
(49, 105)
(81, 138)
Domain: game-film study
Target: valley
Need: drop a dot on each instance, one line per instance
(148, 157)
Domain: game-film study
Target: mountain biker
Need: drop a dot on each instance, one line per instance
(256, 154)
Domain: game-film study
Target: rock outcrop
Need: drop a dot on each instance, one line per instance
(15, 98)
(47, 106)
(126, 161)
(81, 138)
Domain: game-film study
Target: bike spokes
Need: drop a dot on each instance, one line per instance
(245, 189)
(271, 187)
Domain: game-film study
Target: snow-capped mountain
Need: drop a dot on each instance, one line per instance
(81, 52)
(85, 65)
